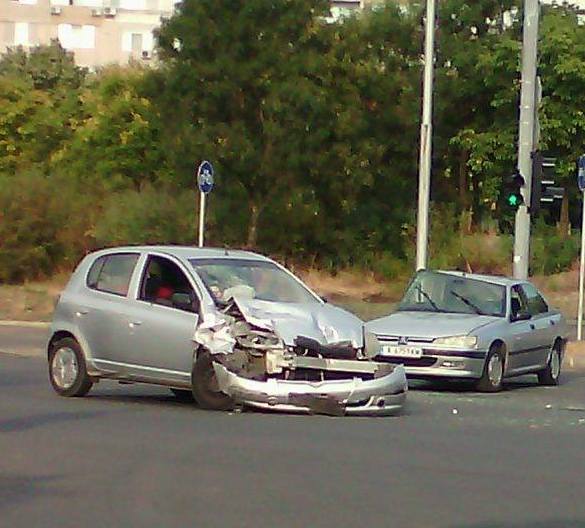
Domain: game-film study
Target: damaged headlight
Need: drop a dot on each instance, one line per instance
(372, 346)
(457, 341)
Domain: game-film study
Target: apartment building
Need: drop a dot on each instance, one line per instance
(99, 32)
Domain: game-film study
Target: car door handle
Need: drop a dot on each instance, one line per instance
(81, 312)
(532, 327)
(133, 324)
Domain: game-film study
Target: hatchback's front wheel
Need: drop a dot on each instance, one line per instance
(67, 371)
(205, 387)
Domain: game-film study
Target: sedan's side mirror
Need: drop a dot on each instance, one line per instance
(521, 316)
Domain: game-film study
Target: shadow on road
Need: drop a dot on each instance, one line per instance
(24, 423)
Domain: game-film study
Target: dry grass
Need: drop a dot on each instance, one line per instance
(32, 301)
(561, 290)
(357, 285)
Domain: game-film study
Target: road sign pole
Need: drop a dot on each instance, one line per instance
(201, 217)
(526, 136)
(205, 184)
(426, 135)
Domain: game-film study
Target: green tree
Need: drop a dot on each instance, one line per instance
(239, 80)
(117, 142)
(39, 104)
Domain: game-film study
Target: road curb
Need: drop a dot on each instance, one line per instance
(26, 324)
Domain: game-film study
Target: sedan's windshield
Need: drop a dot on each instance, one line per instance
(225, 278)
(442, 292)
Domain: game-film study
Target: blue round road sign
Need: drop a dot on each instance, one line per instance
(205, 177)
(581, 172)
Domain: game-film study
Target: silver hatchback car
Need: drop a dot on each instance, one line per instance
(225, 327)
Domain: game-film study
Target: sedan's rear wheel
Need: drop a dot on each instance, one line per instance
(67, 371)
(205, 387)
(493, 371)
(551, 374)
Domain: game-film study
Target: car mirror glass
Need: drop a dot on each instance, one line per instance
(184, 301)
(521, 316)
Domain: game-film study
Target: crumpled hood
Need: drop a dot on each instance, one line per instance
(428, 324)
(323, 322)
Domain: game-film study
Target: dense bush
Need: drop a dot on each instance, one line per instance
(149, 216)
(44, 225)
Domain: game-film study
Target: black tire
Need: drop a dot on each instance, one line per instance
(205, 389)
(550, 375)
(81, 383)
(183, 395)
(486, 383)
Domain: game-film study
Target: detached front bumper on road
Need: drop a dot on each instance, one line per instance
(381, 395)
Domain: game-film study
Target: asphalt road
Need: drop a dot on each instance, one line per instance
(130, 456)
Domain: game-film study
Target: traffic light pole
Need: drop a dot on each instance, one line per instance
(526, 136)
(426, 131)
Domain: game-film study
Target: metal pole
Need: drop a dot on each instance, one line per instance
(426, 136)
(526, 134)
(201, 217)
(581, 273)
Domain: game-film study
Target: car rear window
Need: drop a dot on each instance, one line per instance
(112, 273)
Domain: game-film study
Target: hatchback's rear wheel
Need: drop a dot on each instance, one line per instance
(551, 374)
(67, 371)
(493, 371)
(205, 387)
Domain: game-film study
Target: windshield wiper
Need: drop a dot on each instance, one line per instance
(465, 300)
(428, 298)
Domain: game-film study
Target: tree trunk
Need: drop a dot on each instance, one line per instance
(564, 224)
(253, 225)
(466, 218)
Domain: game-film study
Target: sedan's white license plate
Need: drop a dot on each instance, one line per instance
(402, 351)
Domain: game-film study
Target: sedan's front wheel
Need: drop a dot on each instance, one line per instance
(67, 371)
(493, 371)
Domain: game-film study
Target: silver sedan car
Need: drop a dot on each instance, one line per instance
(225, 327)
(485, 328)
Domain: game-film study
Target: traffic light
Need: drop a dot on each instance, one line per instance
(543, 180)
(512, 186)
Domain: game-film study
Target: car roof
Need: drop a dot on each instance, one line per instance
(493, 279)
(188, 252)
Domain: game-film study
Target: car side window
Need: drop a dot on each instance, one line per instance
(536, 304)
(517, 302)
(112, 273)
(164, 283)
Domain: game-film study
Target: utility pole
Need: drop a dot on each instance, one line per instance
(526, 136)
(426, 136)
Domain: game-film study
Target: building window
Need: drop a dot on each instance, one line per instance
(7, 33)
(21, 33)
(136, 42)
(76, 37)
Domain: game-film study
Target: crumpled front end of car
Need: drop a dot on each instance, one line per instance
(255, 367)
